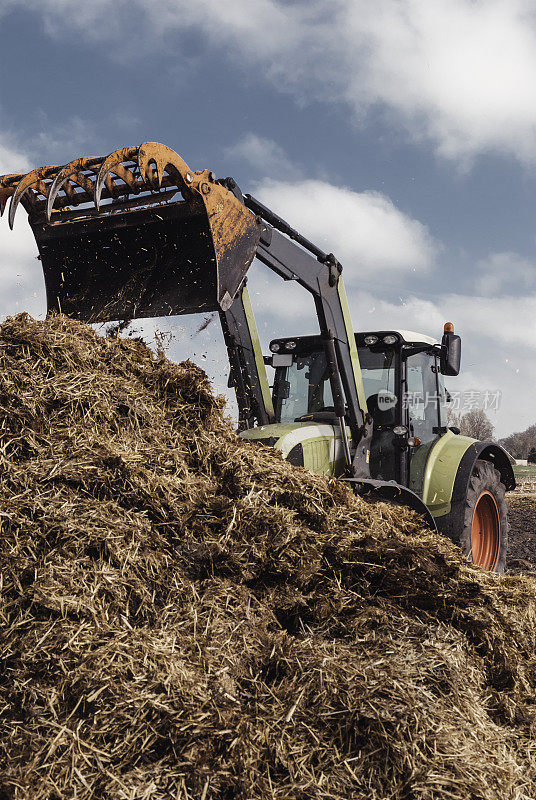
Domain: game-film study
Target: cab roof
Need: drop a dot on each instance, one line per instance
(408, 337)
(412, 337)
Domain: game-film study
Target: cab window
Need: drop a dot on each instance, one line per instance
(378, 371)
(303, 388)
(422, 396)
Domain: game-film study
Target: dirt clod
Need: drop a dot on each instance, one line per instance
(185, 615)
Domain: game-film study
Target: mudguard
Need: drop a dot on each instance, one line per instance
(435, 466)
(487, 451)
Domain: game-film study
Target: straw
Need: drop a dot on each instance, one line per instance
(185, 615)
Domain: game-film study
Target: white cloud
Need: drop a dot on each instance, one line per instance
(506, 322)
(509, 321)
(263, 155)
(21, 280)
(58, 143)
(505, 273)
(459, 73)
(372, 311)
(12, 160)
(365, 230)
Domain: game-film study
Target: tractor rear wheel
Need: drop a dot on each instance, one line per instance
(483, 521)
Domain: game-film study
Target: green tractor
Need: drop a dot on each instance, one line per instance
(461, 481)
(138, 234)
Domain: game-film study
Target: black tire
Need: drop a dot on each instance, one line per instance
(479, 522)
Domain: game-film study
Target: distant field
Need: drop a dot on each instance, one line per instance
(522, 535)
(525, 473)
(526, 480)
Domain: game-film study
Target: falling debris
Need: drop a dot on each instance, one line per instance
(115, 328)
(186, 615)
(206, 322)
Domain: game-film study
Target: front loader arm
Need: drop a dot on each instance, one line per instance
(248, 372)
(293, 257)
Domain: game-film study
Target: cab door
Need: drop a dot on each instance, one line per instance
(423, 399)
(422, 396)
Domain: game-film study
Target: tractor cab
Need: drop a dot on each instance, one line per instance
(404, 388)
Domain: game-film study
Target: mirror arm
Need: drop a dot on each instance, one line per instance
(419, 348)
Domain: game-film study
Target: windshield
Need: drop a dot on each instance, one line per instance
(378, 370)
(304, 389)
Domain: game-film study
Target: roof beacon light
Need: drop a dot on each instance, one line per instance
(449, 327)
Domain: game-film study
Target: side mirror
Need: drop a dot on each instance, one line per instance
(451, 353)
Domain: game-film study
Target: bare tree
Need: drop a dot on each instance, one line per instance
(520, 444)
(453, 418)
(476, 424)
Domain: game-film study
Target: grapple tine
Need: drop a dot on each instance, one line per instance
(33, 177)
(115, 158)
(165, 159)
(7, 187)
(70, 172)
(58, 182)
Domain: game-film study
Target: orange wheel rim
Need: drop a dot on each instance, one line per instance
(486, 532)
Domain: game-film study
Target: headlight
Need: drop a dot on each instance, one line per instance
(290, 345)
(274, 347)
(400, 430)
(370, 340)
(390, 339)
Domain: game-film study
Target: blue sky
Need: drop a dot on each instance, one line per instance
(400, 134)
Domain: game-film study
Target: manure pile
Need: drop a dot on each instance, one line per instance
(184, 615)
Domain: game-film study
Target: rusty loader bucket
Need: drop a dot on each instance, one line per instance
(136, 234)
